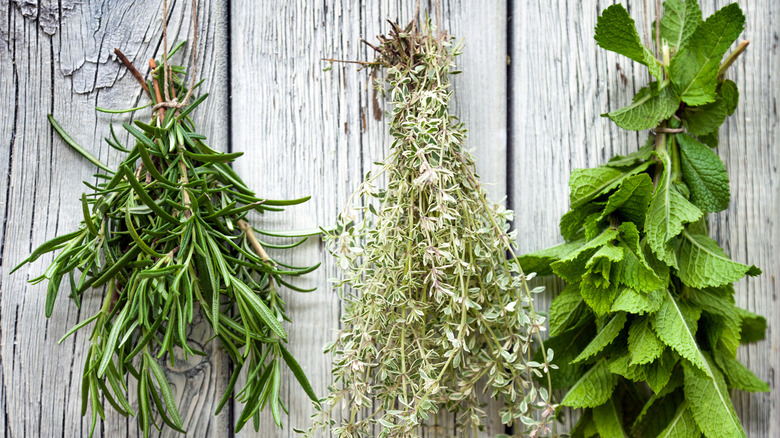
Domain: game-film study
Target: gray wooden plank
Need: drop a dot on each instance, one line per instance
(561, 82)
(65, 67)
(308, 132)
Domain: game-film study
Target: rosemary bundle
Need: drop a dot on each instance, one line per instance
(647, 329)
(166, 233)
(435, 306)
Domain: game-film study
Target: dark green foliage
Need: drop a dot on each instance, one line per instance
(166, 233)
(649, 291)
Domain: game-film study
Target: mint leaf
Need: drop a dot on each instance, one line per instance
(738, 375)
(682, 425)
(649, 108)
(599, 282)
(658, 411)
(642, 154)
(710, 139)
(659, 373)
(539, 261)
(631, 199)
(694, 68)
(705, 174)
(725, 328)
(616, 31)
(609, 420)
(753, 326)
(639, 303)
(587, 184)
(567, 311)
(706, 119)
(572, 266)
(621, 365)
(634, 270)
(703, 264)
(680, 19)
(730, 95)
(573, 220)
(666, 215)
(604, 337)
(710, 402)
(643, 345)
(675, 325)
(594, 388)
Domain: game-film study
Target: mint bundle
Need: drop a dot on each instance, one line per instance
(646, 331)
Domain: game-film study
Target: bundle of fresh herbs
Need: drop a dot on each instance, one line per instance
(165, 233)
(646, 331)
(432, 305)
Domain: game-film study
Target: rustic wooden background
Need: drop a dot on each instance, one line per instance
(533, 86)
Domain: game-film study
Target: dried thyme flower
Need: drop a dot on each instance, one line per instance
(433, 306)
(166, 232)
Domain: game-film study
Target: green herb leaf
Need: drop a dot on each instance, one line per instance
(705, 175)
(703, 264)
(651, 105)
(639, 303)
(643, 345)
(616, 31)
(634, 270)
(593, 389)
(738, 375)
(666, 215)
(631, 199)
(609, 420)
(710, 402)
(567, 311)
(694, 69)
(680, 20)
(587, 184)
(604, 337)
(675, 325)
(706, 119)
(682, 425)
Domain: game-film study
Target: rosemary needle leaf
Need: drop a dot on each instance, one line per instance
(72, 143)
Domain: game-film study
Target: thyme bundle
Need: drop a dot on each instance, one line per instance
(650, 301)
(435, 306)
(165, 233)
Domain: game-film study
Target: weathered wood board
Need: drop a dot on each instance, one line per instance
(532, 90)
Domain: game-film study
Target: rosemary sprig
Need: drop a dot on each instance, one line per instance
(435, 306)
(165, 233)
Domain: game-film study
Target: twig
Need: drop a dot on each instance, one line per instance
(347, 61)
(250, 234)
(669, 130)
(133, 70)
(160, 110)
(732, 57)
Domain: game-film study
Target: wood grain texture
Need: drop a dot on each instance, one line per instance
(309, 132)
(562, 81)
(66, 67)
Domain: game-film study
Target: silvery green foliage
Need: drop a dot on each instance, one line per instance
(433, 306)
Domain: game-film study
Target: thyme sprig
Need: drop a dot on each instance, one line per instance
(165, 233)
(432, 305)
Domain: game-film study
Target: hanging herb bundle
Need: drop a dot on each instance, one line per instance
(649, 300)
(433, 306)
(166, 233)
